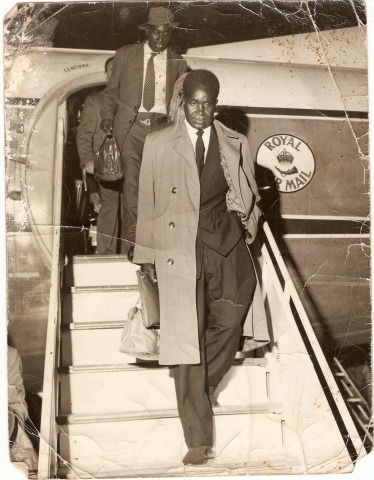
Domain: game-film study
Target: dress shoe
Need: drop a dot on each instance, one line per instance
(212, 397)
(196, 455)
(130, 254)
(210, 453)
(213, 401)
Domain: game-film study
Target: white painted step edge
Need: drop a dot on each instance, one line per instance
(149, 365)
(65, 327)
(102, 288)
(77, 259)
(171, 413)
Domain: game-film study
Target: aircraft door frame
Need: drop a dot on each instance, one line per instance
(49, 105)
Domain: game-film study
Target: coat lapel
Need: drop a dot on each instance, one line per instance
(136, 69)
(182, 143)
(230, 147)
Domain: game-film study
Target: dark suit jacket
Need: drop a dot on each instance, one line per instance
(89, 134)
(123, 93)
(217, 228)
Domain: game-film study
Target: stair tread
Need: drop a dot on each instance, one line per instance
(100, 288)
(97, 342)
(76, 325)
(140, 388)
(143, 365)
(72, 419)
(253, 443)
(118, 258)
(280, 465)
(98, 305)
(77, 369)
(97, 270)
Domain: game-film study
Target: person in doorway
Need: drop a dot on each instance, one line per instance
(198, 207)
(106, 200)
(136, 102)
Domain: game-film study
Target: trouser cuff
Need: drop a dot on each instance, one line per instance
(199, 442)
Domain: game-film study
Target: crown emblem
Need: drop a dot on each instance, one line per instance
(285, 157)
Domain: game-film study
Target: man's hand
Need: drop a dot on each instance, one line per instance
(106, 125)
(89, 168)
(148, 269)
(95, 199)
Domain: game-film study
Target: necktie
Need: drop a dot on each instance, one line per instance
(149, 84)
(200, 151)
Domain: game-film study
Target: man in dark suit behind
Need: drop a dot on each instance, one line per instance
(104, 195)
(136, 102)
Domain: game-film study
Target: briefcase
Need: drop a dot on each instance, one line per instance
(149, 300)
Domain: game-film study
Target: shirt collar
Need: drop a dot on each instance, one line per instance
(193, 137)
(192, 131)
(148, 51)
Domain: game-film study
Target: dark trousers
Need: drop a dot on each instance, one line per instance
(224, 294)
(107, 219)
(132, 151)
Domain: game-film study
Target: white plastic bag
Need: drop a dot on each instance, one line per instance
(137, 340)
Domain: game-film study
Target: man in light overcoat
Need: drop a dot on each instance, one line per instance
(198, 207)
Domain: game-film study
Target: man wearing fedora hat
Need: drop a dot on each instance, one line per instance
(136, 102)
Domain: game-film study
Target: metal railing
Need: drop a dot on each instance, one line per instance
(47, 467)
(292, 307)
(357, 404)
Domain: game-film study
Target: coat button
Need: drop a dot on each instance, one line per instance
(170, 261)
(174, 190)
(172, 225)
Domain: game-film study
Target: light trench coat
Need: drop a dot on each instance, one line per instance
(168, 215)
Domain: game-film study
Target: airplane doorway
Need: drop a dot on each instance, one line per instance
(78, 216)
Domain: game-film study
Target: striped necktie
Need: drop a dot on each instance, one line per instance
(149, 84)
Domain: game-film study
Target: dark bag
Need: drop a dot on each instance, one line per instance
(149, 301)
(84, 208)
(81, 202)
(108, 165)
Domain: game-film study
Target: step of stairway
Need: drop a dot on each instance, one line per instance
(141, 388)
(87, 306)
(257, 408)
(98, 344)
(94, 346)
(244, 444)
(99, 270)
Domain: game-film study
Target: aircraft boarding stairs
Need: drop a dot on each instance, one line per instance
(110, 415)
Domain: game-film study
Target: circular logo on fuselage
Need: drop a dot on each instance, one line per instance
(290, 159)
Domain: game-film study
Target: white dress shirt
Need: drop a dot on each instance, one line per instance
(160, 75)
(193, 136)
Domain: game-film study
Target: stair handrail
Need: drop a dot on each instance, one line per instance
(356, 402)
(293, 305)
(47, 466)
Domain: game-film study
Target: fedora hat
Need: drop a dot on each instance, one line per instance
(159, 16)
